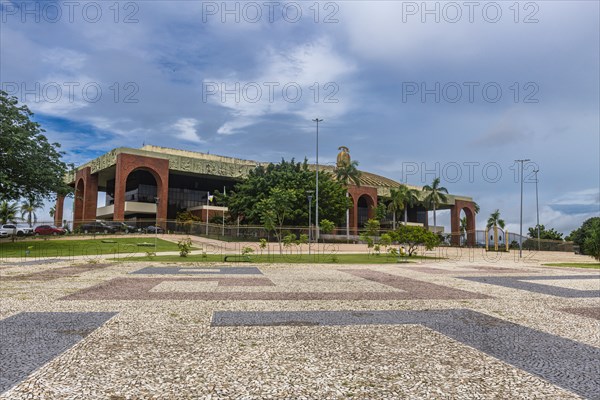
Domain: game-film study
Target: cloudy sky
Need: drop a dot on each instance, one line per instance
(414, 89)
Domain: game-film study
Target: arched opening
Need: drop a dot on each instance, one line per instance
(364, 209)
(467, 227)
(141, 186)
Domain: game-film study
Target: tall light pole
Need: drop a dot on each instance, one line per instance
(309, 195)
(207, 205)
(317, 120)
(521, 215)
(156, 200)
(537, 207)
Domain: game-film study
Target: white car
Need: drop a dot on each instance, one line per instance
(13, 229)
(3, 233)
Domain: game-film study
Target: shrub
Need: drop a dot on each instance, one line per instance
(185, 247)
(326, 226)
(414, 236)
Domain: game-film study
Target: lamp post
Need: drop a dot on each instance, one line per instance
(156, 200)
(537, 208)
(521, 213)
(317, 120)
(207, 200)
(309, 195)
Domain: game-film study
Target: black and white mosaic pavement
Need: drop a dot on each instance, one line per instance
(39, 261)
(563, 362)
(198, 271)
(519, 282)
(31, 339)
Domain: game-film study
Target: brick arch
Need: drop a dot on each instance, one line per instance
(468, 207)
(85, 201)
(158, 167)
(356, 192)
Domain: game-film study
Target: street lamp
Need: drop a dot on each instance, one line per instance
(309, 195)
(317, 120)
(156, 200)
(521, 214)
(537, 208)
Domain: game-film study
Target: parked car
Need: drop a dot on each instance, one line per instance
(154, 229)
(3, 233)
(122, 226)
(49, 230)
(97, 227)
(13, 229)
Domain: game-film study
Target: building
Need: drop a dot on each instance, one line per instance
(156, 182)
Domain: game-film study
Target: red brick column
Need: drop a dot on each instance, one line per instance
(58, 210)
(469, 209)
(78, 202)
(158, 167)
(86, 195)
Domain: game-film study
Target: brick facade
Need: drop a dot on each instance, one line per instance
(158, 167)
(469, 208)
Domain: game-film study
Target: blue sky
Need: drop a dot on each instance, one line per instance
(403, 87)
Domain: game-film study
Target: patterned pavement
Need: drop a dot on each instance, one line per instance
(141, 330)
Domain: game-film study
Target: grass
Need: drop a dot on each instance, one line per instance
(575, 265)
(277, 258)
(65, 248)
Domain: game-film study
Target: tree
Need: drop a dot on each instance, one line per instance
(28, 207)
(345, 173)
(414, 236)
(436, 195)
(243, 200)
(546, 234)
(401, 199)
(52, 211)
(29, 164)
(275, 209)
(8, 211)
(494, 221)
(587, 237)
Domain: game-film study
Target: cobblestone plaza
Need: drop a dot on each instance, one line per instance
(432, 329)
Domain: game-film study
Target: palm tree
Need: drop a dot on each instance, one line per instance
(401, 199)
(347, 172)
(28, 207)
(52, 211)
(495, 222)
(8, 211)
(436, 195)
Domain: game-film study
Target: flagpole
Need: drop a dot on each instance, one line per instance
(223, 228)
(207, 200)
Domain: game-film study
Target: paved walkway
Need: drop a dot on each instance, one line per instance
(463, 328)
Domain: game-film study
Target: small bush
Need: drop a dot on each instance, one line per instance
(185, 247)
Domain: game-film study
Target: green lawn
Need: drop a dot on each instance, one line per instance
(277, 258)
(575, 265)
(64, 248)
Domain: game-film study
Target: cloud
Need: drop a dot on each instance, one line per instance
(304, 81)
(186, 128)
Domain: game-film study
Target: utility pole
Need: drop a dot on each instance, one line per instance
(317, 120)
(309, 195)
(537, 207)
(521, 214)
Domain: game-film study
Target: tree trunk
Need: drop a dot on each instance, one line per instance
(434, 220)
(405, 216)
(394, 220)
